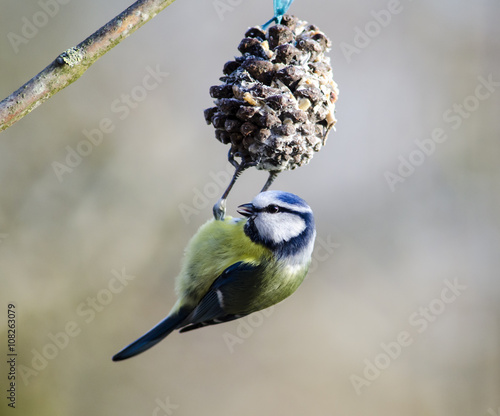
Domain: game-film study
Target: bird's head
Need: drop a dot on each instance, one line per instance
(282, 222)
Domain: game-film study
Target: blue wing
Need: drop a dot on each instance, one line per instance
(227, 299)
(230, 297)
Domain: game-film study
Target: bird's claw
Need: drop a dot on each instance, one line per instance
(219, 209)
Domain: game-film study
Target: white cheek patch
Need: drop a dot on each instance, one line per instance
(279, 228)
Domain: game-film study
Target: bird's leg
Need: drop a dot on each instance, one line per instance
(219, 209)
(230, 158)
(272, 176)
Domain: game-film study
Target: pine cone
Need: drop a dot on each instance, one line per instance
(277, 101)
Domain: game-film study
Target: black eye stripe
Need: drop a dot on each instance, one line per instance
(274, 209)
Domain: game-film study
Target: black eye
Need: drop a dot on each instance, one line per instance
(273, 209)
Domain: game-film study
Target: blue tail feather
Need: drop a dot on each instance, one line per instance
(152, 337)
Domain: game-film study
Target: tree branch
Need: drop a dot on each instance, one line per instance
(71, 64)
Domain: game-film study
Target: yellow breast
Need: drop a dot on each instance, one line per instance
(216, 246)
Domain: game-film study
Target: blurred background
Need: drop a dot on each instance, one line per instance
(400, 313)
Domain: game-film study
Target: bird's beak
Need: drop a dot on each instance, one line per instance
(247, 210)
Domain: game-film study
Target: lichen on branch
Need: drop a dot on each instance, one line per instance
(72, 63)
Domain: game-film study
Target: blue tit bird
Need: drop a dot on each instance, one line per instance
(236, 266)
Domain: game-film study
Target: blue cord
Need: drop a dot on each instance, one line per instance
(280, 8)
